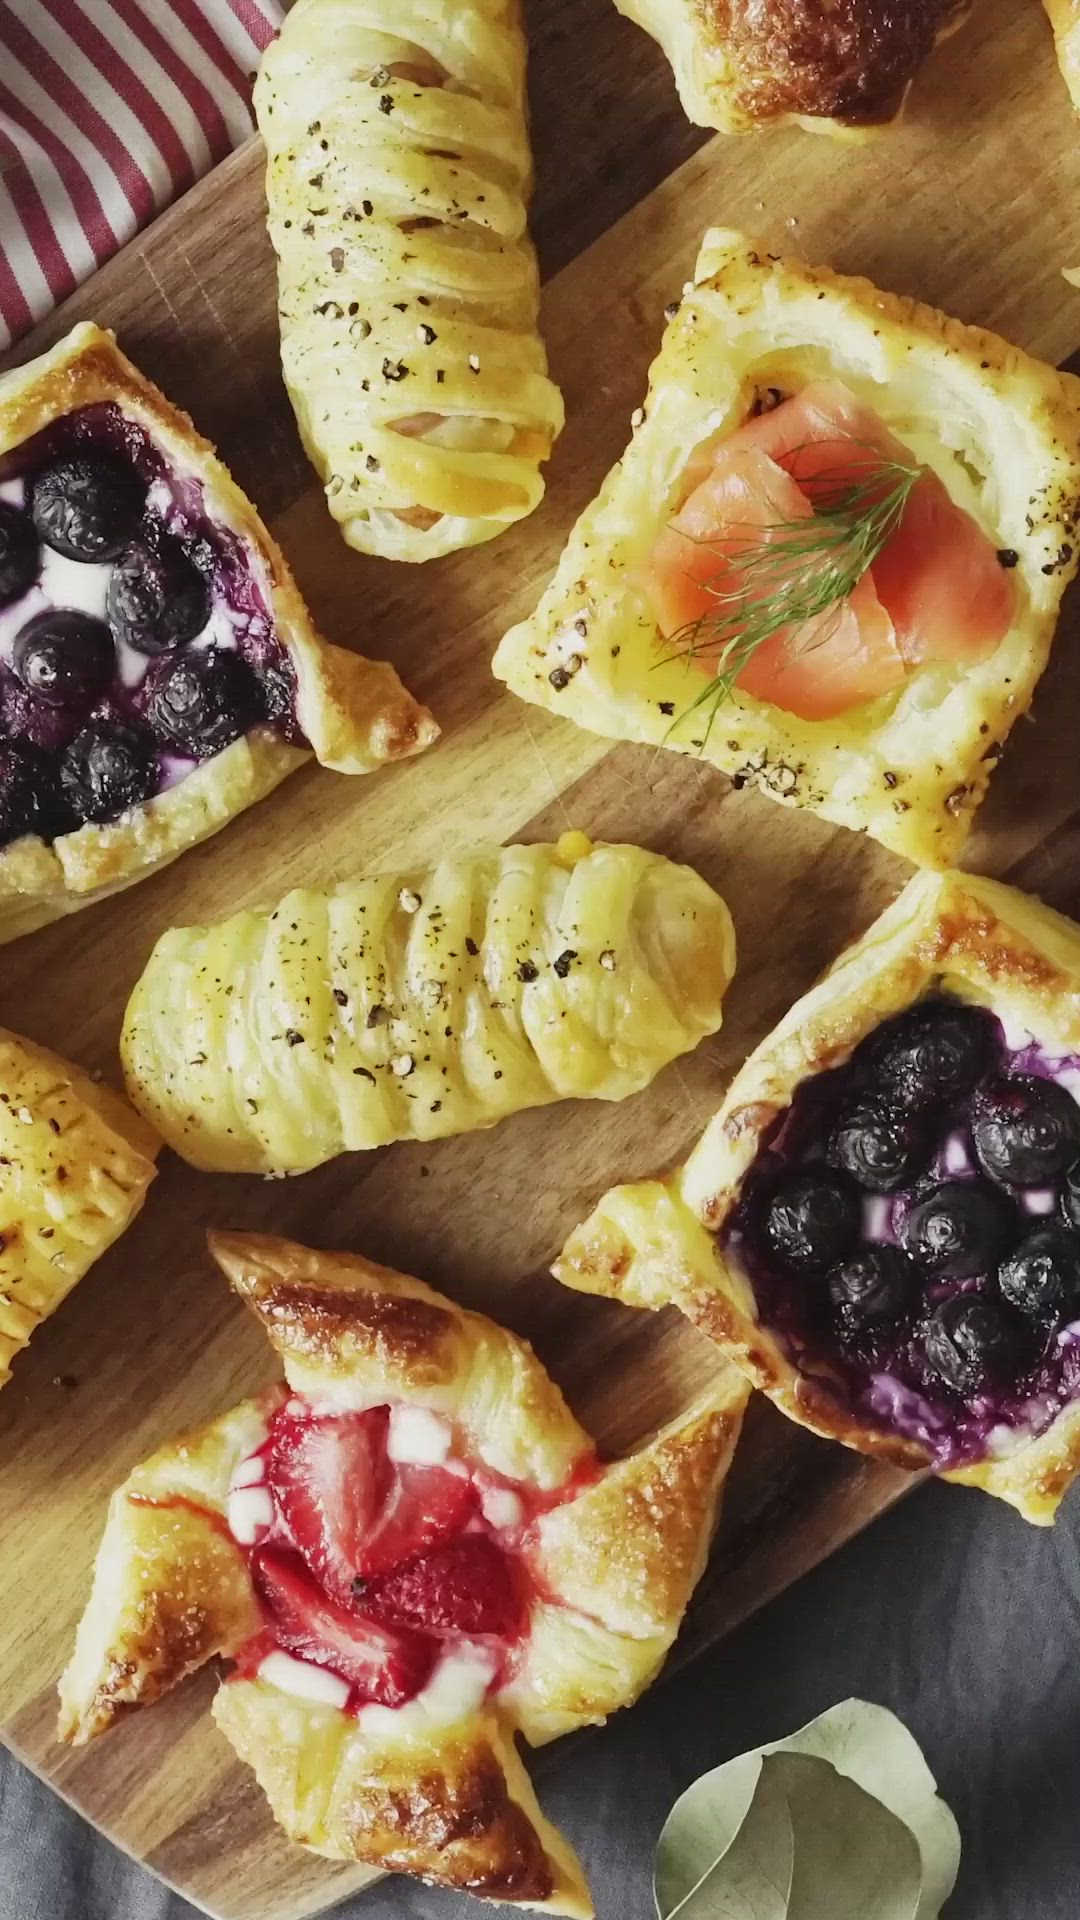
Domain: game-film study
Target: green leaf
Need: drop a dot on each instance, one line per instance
(752, 1880)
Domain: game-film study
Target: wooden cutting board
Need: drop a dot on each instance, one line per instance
(974, 204)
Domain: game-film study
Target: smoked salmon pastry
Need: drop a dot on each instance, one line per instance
(159, 671)
(413, 1005)
(830, 560)
(411, 1553)
(881, 1225)
(77, 1163)
(843, 68)
(398, 174)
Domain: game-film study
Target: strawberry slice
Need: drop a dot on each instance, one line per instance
(329, 1476)
(467, 1585)
(423, 1506)
(388, 1665)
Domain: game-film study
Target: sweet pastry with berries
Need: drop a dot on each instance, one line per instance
(158, 669)
(77, 1163)
(831, 559)
(413, 1005)
(881, 1225)
(410, 1552)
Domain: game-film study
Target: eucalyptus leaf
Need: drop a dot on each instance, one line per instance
(751, 1879)
(853, 1859)
(701, 1827)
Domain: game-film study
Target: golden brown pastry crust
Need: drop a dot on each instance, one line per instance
(439, 1791)
(77, 1163)
(355, 712)
(1065, 20)
(658, 1242)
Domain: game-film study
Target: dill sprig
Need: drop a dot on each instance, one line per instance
(790, 573)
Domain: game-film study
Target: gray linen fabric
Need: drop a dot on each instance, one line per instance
(949, 1610)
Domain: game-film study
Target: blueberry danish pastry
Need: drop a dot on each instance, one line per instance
(410, 1006)
(158, 669)
(410, 1552)
(398, 173)
(881, 1226)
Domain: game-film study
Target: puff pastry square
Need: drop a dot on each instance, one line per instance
(1004, 970)
(999, 430)
(159, 671)
(577, 1572)
(77, 1163)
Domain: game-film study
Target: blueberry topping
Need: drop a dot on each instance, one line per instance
(108, 768)
(934, 1053)
(18, 553)
(878, 1145)
(200, 702)
(28, 800)
(875, 1284)
(158, 599)
(1042, 1277)
(87, 507)
(812, 1220)
(1026, 1130)
(958, 1230)
(972, 1342)
(65, 658)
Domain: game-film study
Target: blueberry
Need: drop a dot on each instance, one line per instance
(87, 507)
(1042, 1277)
(18, 553)
(1026, 1130)
(933, 1054)
(1070, 1196)
(202, 701)
(65, 658)
(875, 1284)
(972, 1343)
(28, 801)
(108, 768)
(812, 1220)
(158, 599)
(878, 1145)
(958, 1230)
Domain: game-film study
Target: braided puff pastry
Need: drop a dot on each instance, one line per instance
(887, 714)
(409, 1006)
(399, 168)
(159, 671)
(928, 1085)
(485, 1574)
(76, 1166)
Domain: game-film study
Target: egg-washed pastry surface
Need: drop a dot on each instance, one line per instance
(414, 1005)
(1065, 20)
(843, 68)
(398, 174)
(830, 560)
(76, 1164)
(881, 1225)
(411, 1553)
(158, 669)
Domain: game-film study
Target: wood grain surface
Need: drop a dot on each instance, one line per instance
(975, 204)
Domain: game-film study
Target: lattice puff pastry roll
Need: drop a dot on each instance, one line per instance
(159, 671)
(412, 1553)
(409, 1006)
(399, 169)
(881, 1226)
(841, 68)
(830, 560)
(76, 1166)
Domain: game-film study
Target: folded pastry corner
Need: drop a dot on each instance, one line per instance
(160, 671)
(830, 560)
(410, 1552)
(881, 1225)
(1065, 20)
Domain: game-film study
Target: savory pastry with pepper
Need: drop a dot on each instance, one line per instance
(398, 173)
(410, 1552)
(831, 558)
(412, 1005)
(158, 668)
(881, 1226)
(843, 68)
(76, 1167)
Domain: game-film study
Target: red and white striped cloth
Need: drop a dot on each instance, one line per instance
(108, 110)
